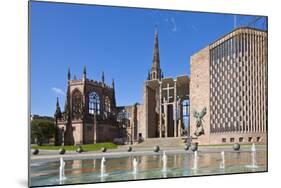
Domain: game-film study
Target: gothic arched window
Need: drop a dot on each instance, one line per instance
(76, 104)
(94, 103)
(123, 118)
(107, 106)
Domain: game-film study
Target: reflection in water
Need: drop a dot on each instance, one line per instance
(102, 169)
(135, 166)
(195, 162)
(164, 159)
(253, 155)
(62, 171)
(150, 166)
(222, 165)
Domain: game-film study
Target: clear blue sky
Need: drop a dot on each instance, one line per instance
(118, 41)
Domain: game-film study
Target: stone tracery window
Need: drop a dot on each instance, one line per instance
(123, 118)
(107, 106)
(76, 104)
(94, 103)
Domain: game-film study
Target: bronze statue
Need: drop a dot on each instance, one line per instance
(199, 118)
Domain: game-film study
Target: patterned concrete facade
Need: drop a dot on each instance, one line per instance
(229, 77)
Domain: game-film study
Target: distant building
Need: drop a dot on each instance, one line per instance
(229, 79)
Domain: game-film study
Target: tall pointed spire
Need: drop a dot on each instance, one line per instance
(102, 77)
(155, 72)
(84, 73)
(113, 99)
(113, 84)
(68, 74)
(58, 110)
(156, 59)
(58, 104)
(148, 75)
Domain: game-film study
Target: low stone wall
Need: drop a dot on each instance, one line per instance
(107, 133)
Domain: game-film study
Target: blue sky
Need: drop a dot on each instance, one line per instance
(118, 41)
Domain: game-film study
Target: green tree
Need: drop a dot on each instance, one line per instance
(42, 129)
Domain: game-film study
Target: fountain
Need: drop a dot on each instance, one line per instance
(102, 167)
(195, 162)
(253, 155)
(164, 159)
(135, 166)
(62, 173)
(148, 166)
(253, 148)
(222, 164)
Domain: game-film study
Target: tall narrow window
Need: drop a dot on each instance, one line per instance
(107, 106)
(94, 103)
(185, 112)
(76, 104)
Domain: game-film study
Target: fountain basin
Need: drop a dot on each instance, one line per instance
(120, 168)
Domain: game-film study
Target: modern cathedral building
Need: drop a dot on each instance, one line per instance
(226, 96)
(229, 79)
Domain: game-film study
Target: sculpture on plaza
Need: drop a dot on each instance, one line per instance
(199, 119)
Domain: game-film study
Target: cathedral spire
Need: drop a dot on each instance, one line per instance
(113, 97)
(148, 75)
(102, 77)
(58, 104)
(155, 72)
(113, 84)
(58, 110)
(156, 59)
(68, 74)
(84, 73)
